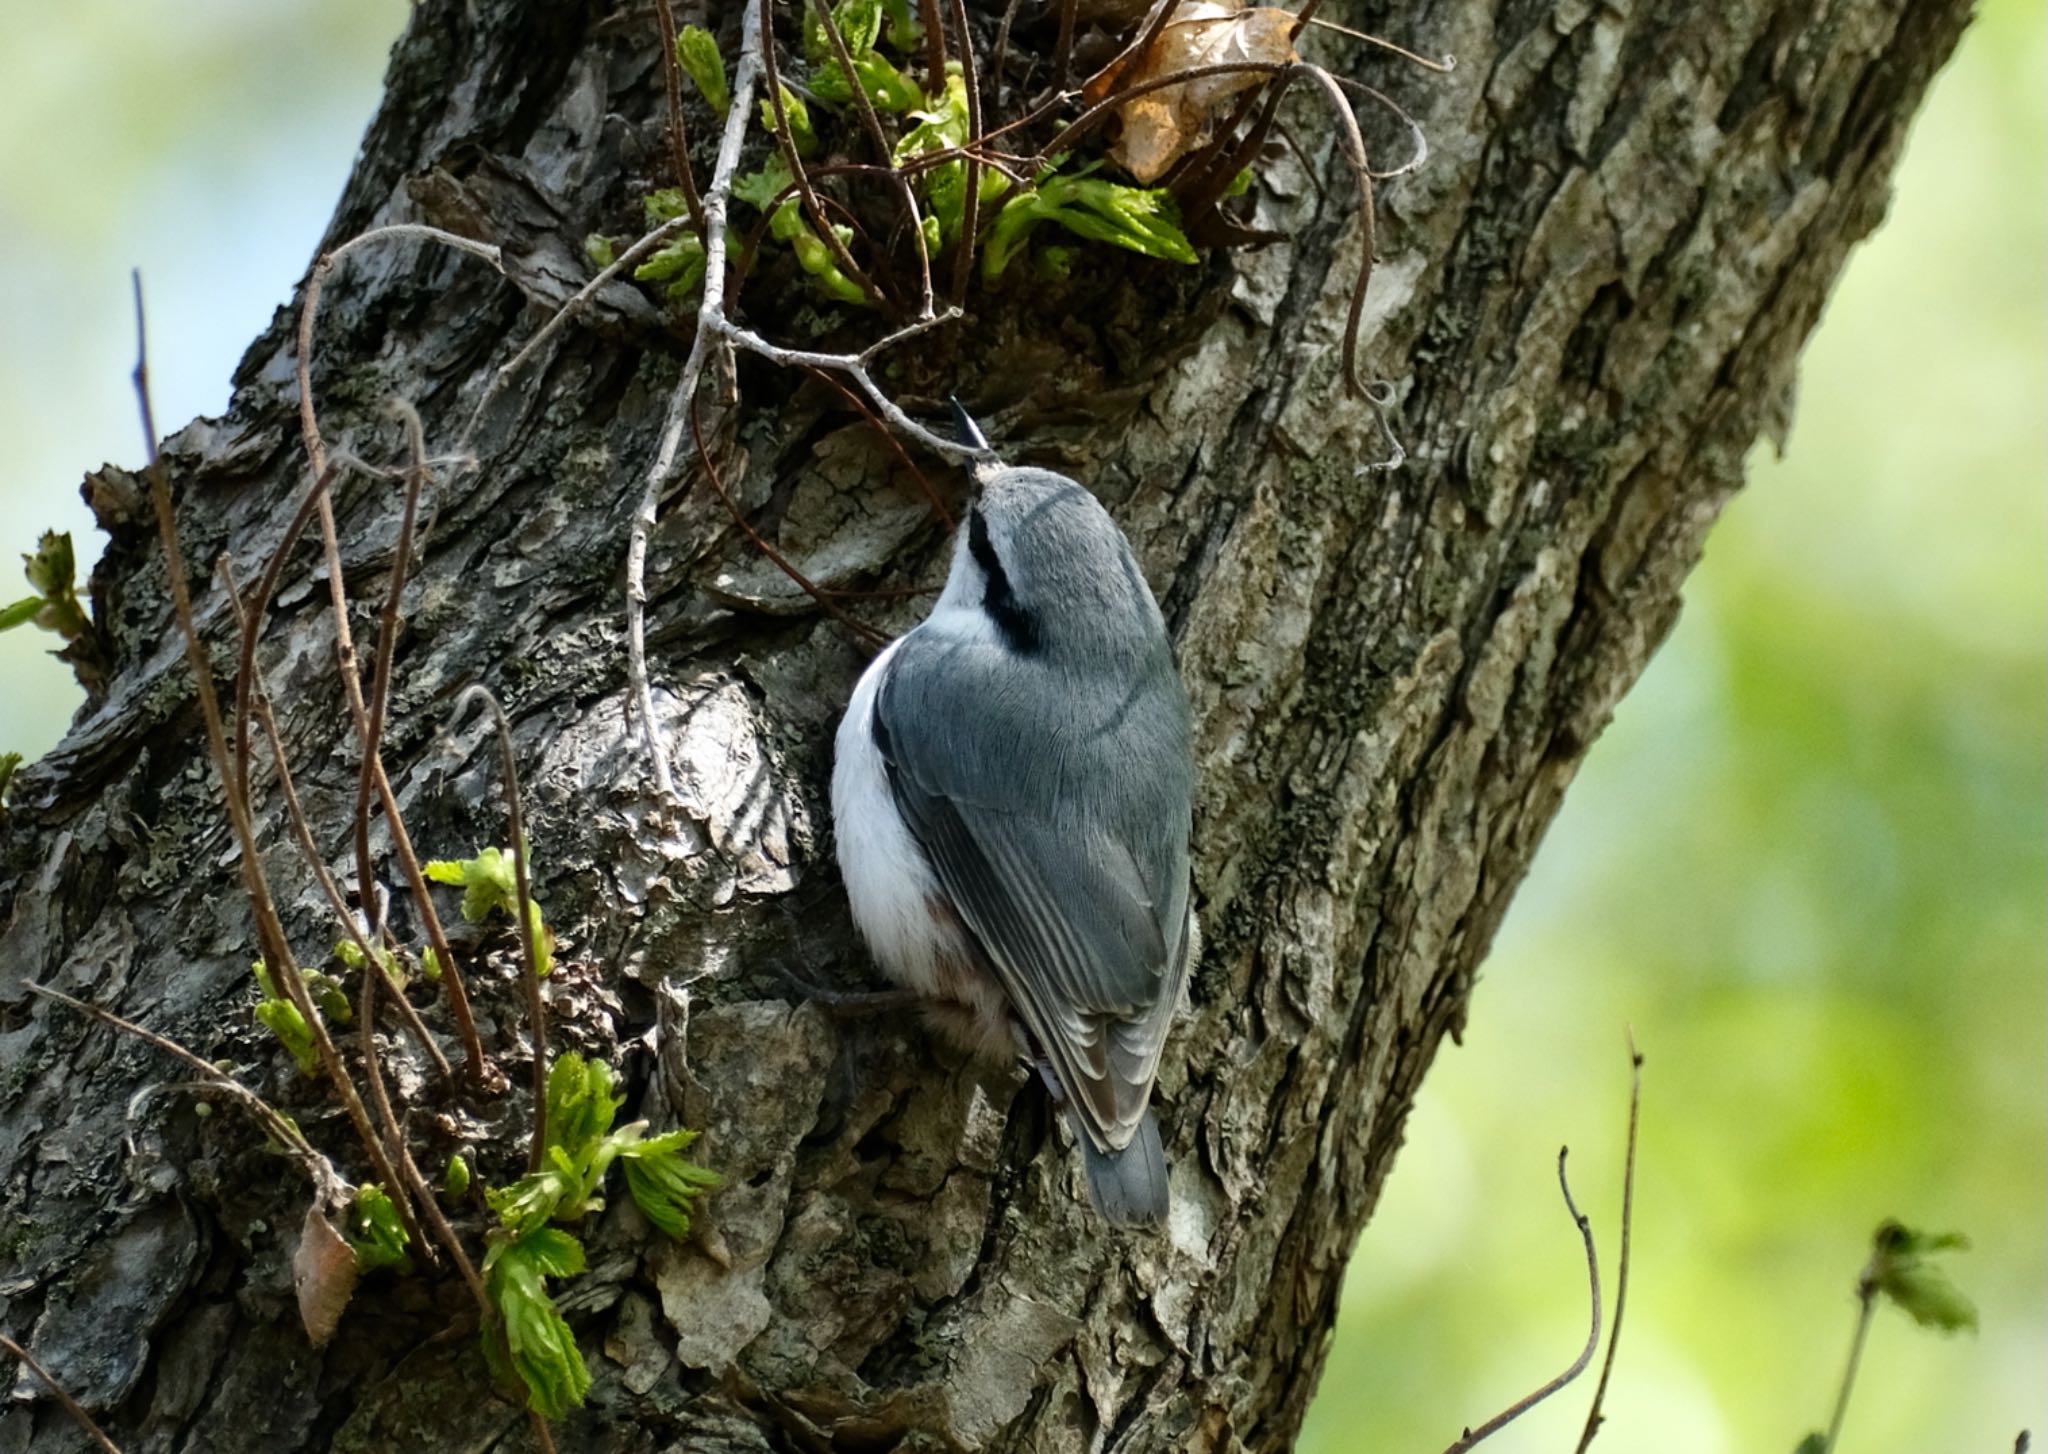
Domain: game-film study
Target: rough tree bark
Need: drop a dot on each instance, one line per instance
(1590, 300)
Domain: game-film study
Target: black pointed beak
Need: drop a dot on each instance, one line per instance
(966, 430)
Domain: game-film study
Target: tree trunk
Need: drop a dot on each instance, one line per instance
(1590, 302)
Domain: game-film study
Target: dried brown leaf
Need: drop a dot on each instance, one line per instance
(323, 1275)
(1162, 126)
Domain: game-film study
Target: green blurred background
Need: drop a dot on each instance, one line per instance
(1806, 863)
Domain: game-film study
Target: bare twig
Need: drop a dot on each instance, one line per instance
(561, 317)
(1594, 1418)
(536, 1007)
(1866, 1305)
(329, 1185)
(58, 1391)
(873, 123)
(716, 200)
(934, 46)
(963, 249)
(1354, 153)
(1063, 47)
(251, 692)
(309, 311)
(785, 141)
(678, 136)
(1443, 67)
(867, 633)
(1501, 1420)
(380, 671)
(269, 930)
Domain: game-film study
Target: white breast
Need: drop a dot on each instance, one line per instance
(889, 883)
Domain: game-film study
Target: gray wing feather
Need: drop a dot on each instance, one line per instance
(1060, 833)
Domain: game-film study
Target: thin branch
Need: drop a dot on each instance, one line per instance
(716, 200)
(1866, 1305)
(329, 1185)
(785, 141)
(1063, 47)
(536, 1007)
(1594, 1418)
(678, 136)
(1508, 1415)
(934, 46)
(269, 929)
(963, 251)
(479, 1067)
(295, 813)
(560, 318)
(380, 671)
(873, 123)
(1443, 67)
(867, 633)
(1354, 153)
(71, 1405)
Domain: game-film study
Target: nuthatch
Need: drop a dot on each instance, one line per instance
(1013, 795)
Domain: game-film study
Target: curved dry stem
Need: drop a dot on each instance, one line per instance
(1442, 67)
(785, 142)
(861, 629)
(1416, 158)
(57, 1390)
(270, 934)
(678, 135)
(309, 311)
(536, 1007)
(560, 318)
(1594, 1418)
(970, 229)
(1508, 1415)
(251, 691)
(330, 1187)
(1354, 153)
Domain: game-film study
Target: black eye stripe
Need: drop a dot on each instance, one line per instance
(1017, 625)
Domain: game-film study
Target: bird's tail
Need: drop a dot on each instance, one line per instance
(1129, 1186)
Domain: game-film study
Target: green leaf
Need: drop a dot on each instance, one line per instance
(680, 265)
(798, 116)
(51, 570)
(859, 23)
(542, 1349)
(697, 53)
(554, 1253)
(1900, 1271)
(10, 764)
(20, 613)
(663, 1184)
(430, 964)
(1814, 1443)
(581, 1105)
(328, 994)
(760, 188)
(601, 250)
(455, 1180)
(543, 936)
(886, 87)
(939, 128)
(664, 204)
(1144, 220)
(375, 1233)
(486, 881)
(282, 1019)
(901, 26)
